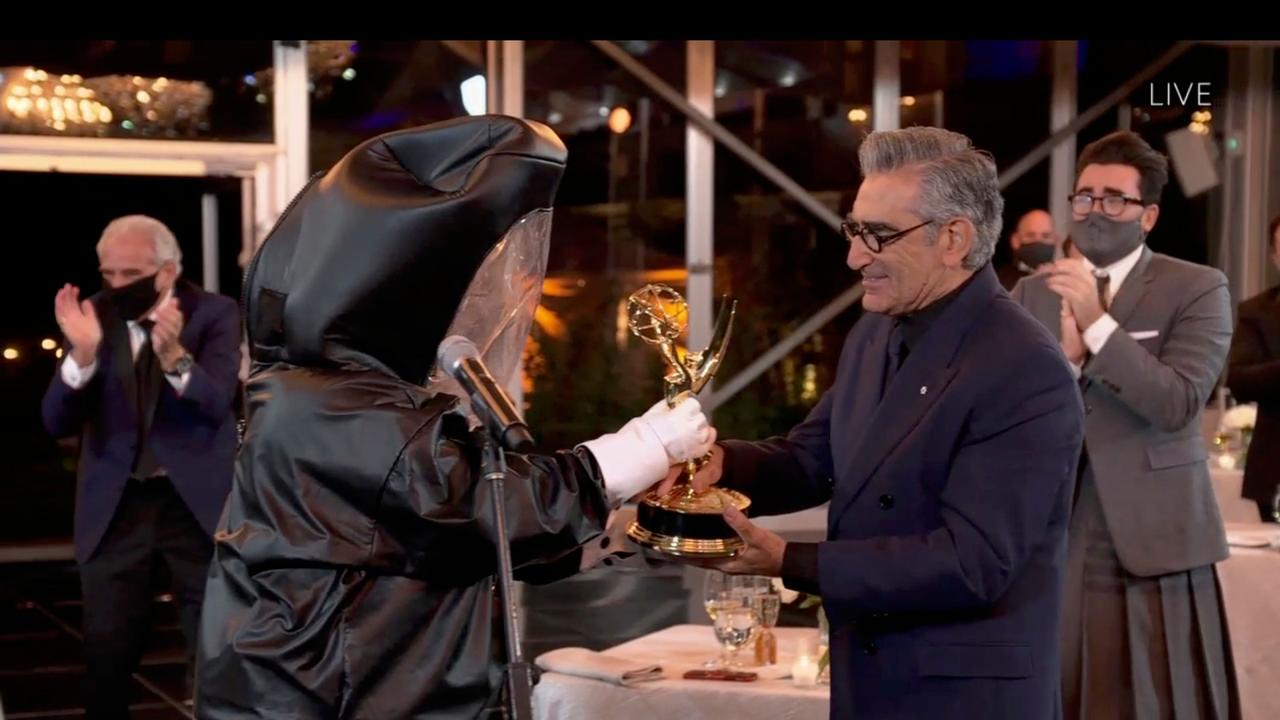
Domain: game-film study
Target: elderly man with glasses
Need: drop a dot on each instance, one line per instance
(947, 450)
(1147, 336)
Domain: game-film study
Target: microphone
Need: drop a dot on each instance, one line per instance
(459, 357)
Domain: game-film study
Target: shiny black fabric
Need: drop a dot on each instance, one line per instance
(353, 567)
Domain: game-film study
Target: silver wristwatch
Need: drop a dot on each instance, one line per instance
(183, 365)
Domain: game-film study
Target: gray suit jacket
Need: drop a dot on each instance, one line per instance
(1144, 395)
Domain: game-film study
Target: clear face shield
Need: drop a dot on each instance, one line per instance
(497, 311)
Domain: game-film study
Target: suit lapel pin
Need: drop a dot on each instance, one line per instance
(924, 389)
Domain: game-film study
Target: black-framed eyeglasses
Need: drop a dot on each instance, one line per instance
(874, 241)
(1082, 203)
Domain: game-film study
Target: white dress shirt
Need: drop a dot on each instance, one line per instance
(77, 377)
(1097, 334)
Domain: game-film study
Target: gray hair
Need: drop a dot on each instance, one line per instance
(956, 180)
(166, 244)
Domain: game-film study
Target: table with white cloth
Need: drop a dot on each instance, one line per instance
(677, 649)
(1250, 582)
(1226, 488)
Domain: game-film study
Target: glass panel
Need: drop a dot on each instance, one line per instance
(172, 89)
(619, 224)
(804, 106)
(363, 88)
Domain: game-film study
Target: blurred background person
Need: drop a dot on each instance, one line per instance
(1253, 376)
(1035, 246)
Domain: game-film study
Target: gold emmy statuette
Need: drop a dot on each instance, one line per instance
(684, 522)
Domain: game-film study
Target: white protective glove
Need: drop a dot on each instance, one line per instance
(641, 452)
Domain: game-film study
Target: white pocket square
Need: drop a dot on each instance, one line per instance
(1144, 334)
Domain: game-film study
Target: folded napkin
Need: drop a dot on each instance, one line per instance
(598, 666)
(1254, 538)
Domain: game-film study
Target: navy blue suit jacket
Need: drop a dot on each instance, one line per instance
(943, 568)
(193, 436)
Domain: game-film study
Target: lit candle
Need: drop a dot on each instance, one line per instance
(804, 671)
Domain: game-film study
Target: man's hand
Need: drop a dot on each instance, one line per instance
(762, 554)
(78, 322)
(164, 336)
(708, 475)
(1073, 281)
(1072, 338)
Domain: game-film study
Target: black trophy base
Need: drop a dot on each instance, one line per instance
(681, 524)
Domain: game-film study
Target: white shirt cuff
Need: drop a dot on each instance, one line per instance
(77, 377)
(631, 460)
(1097, 334)
(179, 383)
(1076, 370)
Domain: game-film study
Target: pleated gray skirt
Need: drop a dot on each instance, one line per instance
(1139, 648)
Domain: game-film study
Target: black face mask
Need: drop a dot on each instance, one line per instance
(1034, 254)
(132, 300)
(1104, 241)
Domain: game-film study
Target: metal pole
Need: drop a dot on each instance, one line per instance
(1062, 107)
(493, 76)
(512, 78)
(291, 113)
(519, 675)
(248, 241)
(886, 94)
(718, 131)
(1258, 106)
(700, 70)
(209, 240)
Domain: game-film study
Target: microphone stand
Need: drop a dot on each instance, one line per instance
(493, 469)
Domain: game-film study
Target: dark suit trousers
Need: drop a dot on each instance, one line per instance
(152, 531)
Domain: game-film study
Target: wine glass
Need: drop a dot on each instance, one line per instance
(714, 585)
(734, 624)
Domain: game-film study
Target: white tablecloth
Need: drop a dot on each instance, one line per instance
(1226, 487)
(1250, 581)
(565, 697)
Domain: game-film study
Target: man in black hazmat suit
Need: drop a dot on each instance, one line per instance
(353, 574)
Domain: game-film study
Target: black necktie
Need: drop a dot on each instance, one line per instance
(1104, 282)
(144, 368)
(898, 352)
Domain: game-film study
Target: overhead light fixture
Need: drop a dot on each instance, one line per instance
(858, 115)
(620, 120)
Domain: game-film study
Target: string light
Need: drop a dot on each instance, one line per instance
(327, 62)
(31, 102)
